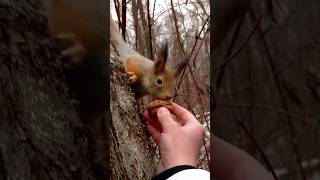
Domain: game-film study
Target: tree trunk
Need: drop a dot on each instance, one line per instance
(44, 133)
(137, 29)
(145, 30)
(132, 154)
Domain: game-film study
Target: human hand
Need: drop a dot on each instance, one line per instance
(179, 139)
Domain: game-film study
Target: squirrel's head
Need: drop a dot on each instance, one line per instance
(163, 81)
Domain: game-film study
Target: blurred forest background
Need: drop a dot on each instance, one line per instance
(185, 25)
(267, 85)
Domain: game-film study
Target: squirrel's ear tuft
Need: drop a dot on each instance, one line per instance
(181, 66)
(161, 58)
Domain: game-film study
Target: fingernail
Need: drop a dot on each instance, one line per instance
(162, 110)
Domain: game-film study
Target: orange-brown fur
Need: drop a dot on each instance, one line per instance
(147, 73)
(131, 65)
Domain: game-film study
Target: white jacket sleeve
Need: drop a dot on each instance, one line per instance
(191, 174)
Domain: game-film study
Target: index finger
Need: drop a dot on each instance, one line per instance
(182, 114)
(166, 119)
(152, 121)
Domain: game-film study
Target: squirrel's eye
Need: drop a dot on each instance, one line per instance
(159, 81)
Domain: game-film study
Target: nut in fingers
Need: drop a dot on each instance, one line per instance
(156, 105)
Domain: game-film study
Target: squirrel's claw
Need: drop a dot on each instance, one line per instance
(132, 77)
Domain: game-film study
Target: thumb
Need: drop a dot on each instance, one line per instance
(165, 119)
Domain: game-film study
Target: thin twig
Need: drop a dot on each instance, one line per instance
(124, 18)
(284, 100)
(175, 23)
(193, 48)
(154, 7)
(229, 58)
(149, 28)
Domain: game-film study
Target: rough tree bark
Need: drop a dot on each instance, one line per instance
(132, 153)
(44, 134)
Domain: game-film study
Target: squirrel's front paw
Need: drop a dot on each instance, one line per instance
(72, 51)
(132, 77)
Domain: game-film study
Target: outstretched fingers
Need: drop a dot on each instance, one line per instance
(166, 120)
(183, 115)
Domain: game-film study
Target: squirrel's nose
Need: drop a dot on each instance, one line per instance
(167, 98)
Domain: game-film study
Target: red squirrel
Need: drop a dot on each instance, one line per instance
(79, 26)
(150, 77)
